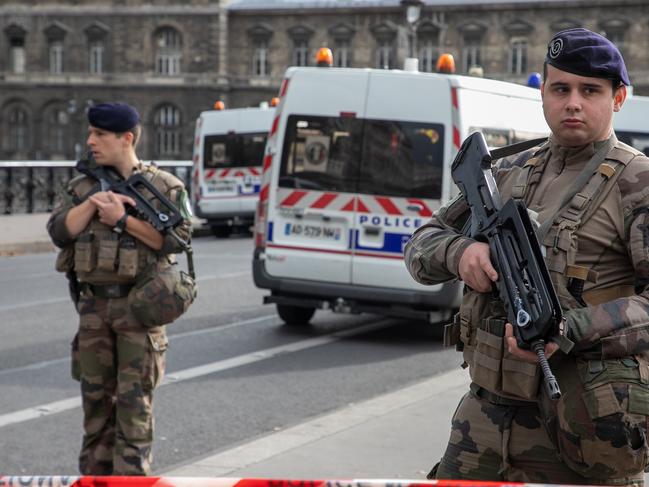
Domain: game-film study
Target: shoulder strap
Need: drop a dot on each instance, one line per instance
(508, 150)
(578, 184)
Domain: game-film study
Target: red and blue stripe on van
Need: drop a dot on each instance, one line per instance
(395, 216)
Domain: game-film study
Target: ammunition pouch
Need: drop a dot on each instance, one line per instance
(599, 425)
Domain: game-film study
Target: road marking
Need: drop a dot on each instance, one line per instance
(193, 372)
(11, 307)
(48, 363)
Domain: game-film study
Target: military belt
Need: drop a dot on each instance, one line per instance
(107, 291)
(483, 393)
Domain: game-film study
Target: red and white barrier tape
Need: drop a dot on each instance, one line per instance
(89, 481)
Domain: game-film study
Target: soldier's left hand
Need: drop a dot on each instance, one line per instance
(110, 206)
(526, 355)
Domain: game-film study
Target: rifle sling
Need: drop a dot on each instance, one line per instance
(512, 149)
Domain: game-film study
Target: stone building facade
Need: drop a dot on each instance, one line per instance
(58, 57)
(175, 59)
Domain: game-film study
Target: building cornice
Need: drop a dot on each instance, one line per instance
(107, 10)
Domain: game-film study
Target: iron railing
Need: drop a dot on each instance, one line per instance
(32, 186)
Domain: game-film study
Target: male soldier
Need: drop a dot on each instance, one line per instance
(590, 194)
(117, 360)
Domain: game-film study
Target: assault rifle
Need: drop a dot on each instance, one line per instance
(523, 283)
(165, 219)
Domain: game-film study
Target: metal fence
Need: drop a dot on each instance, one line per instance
(31, 186)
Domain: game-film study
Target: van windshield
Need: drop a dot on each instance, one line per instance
(346, 154)
(234, 150)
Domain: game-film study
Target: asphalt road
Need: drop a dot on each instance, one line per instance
(234, 372)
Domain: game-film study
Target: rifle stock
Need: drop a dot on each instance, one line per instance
(524, 283)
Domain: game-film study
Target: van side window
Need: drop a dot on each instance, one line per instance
(637, 140)
(321, 153)
(234, 150)
(402, 159)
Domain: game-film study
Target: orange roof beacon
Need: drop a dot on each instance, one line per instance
(446, 64)
(274, 101)
(324, 58)
(219, 105)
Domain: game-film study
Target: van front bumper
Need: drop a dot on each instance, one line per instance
(446, 297)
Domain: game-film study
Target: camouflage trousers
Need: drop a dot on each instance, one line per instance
(118, 363)
(506, 443)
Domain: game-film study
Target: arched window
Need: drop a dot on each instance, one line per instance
(518, 56)
(96, 35)
(168, 45)
(300, 52)
(58, 130)
(168, 133)
(260, 35)
(342, 34)
(17, 130)
(428, 54)
(16, 40)
(56, 57)
(260, 66)
(384, 54)
(55, 35)
(385, 34)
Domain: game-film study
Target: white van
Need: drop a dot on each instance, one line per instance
(631, 124)
(228, 152)
(356, 160)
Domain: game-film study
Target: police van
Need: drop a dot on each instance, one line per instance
(228, 152)
(630, 123)
(356, 160)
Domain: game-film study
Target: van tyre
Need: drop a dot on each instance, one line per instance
(295, 315)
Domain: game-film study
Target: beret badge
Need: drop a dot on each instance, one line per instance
(555, 48)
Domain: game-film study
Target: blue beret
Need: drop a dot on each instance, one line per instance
(114, 117)
(586, 53)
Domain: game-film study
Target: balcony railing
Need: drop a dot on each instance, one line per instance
(32, 186)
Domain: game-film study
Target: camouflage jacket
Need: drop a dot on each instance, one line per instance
(613, 242)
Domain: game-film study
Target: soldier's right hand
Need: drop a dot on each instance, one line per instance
(475, 267)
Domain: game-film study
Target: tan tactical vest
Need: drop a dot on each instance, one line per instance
(481, 319)
(103, 257)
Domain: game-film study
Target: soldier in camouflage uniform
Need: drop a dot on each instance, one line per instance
(117, 360)
(591, 194)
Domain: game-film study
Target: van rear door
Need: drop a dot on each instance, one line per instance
(312, 208)
(232, 165)
(401, 174)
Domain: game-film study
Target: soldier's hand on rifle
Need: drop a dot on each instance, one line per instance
(110, 206)
(526, 355)
(475, 267)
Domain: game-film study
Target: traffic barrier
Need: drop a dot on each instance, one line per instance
(31, 186)
(89, 481)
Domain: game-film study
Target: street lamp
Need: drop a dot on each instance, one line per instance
(413, 11)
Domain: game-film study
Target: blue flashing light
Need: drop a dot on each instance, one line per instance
(534, 80)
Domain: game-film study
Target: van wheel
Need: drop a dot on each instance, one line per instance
(295, 315)
(221, 231)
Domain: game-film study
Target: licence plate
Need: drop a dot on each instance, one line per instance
(221, 186)
(312, 231)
